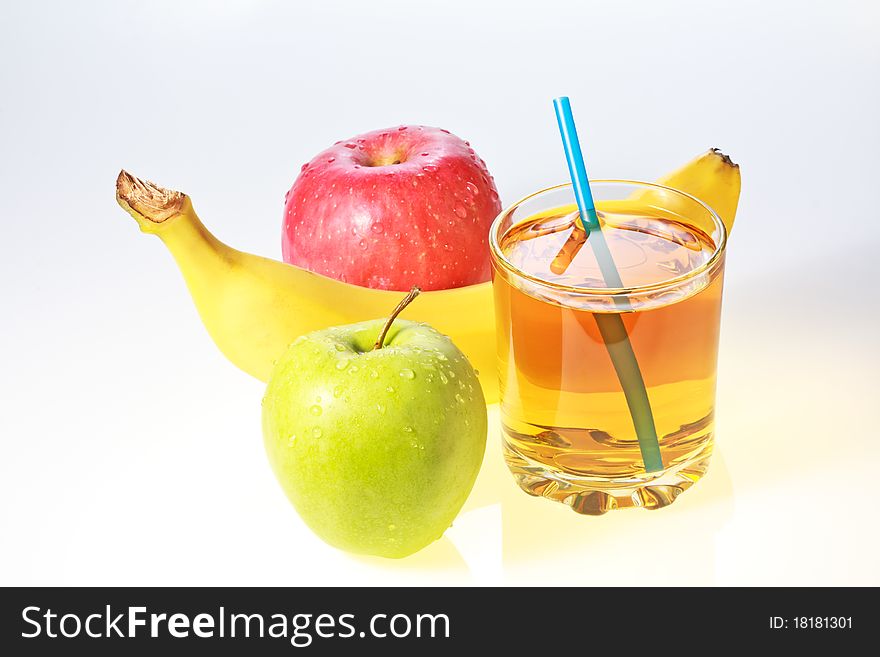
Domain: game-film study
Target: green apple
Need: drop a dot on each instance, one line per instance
(376, 447)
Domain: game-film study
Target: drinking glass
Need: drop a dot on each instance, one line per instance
(569, 400)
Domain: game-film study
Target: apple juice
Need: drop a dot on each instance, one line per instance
(566, 424)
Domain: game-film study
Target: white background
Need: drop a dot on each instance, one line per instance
(131, 450)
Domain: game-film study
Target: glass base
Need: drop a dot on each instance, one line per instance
(595, 496)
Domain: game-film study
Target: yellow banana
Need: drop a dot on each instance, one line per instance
(253, 307)
(712, 177)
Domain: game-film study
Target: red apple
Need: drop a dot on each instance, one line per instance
(393, 208)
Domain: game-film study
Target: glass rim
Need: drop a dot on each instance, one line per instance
(499, 258)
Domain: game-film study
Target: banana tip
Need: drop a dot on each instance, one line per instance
(725, 157)
(123, 181)
(147, 199)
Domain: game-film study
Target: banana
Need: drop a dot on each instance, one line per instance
(253, 307)
(712, 177)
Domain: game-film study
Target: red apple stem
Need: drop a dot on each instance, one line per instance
(412, 294)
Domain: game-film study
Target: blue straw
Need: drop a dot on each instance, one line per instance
(610, 325)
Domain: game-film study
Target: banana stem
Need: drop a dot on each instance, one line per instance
(150, 204)
(413, 293)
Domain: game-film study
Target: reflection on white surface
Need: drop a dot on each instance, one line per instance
(507, 534)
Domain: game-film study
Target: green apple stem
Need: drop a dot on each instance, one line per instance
(412, 294)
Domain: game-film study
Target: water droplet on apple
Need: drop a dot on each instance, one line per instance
(397, 236)
(441, 356)
(389, 389)
(304, 167)
(459, 398)
(374, 374)
(291, 441)
(350, 145)
(316, 410)
(337, 392)
(331, 159)
(448, 247)
(339, 347)
(407, 373)
(408, 429)
(363, 244)
(443, 378)
(494, 195)
(376, 227)
(380, 408)
(391, 528)
(459, 209)
(357, 166)
(472, 188)
(401, 128)
(477, 372)
(425, 154)
(316, 432)
(451, 374)
(352, 369)
(341, 364)
(429, 168)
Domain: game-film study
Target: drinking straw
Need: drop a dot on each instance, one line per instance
(610, 325)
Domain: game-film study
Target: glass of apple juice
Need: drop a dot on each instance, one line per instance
(568, 429)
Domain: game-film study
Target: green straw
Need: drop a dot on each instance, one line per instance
(610, 324)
